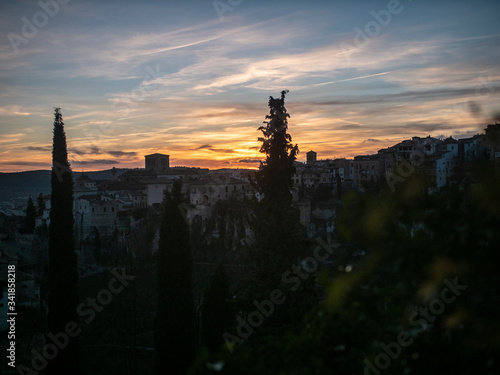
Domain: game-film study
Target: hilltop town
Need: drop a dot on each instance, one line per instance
(119, 207)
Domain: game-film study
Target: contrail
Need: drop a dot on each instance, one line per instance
(350, 79)
(149, 114)
(185, 45)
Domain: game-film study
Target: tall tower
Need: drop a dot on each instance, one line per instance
(311, 157)
(157, 163)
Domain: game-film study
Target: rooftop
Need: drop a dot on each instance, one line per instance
(155, 154)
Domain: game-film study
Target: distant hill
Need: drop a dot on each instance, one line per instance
(33, 183)
(29, 179)
(101, 175)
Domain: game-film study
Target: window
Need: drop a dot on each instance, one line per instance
(92, 209)
(104, 209)
(112, 209)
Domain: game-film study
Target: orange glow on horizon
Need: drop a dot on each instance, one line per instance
(211, 157)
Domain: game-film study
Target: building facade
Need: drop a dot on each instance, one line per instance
(157, 163)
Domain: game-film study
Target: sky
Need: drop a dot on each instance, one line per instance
(192, 79)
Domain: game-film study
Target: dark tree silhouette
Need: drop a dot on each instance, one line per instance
(277, 227)
(216, 311)
(275, 176)
(339, 187)
(29, 219)
(97, 246)
(63, 270)
(41, 205)
(175, 342)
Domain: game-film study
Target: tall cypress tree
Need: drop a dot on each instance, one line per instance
(41, 205)
(277, 225)
(30, 218)
(216, 311)
(175, 342)
(63, 269)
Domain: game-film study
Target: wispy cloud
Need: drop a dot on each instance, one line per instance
(93, 150)
(203, 147)
(25, 163)
(13, 111)
(94, 162)
(39, 148)
(209, 147)
(121, 153)
(249, 161)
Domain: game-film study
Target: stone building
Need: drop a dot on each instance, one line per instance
(157, 163)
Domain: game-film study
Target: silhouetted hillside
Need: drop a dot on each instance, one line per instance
(35, 182)
(30, 179)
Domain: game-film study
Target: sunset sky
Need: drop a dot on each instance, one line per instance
(192, 78)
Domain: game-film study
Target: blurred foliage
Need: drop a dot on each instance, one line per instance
(418, 249)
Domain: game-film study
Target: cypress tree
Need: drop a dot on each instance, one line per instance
(174, 325)
(41, 205)
(63, 269)
(216, 311)
(30, 218)
(277, 226)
